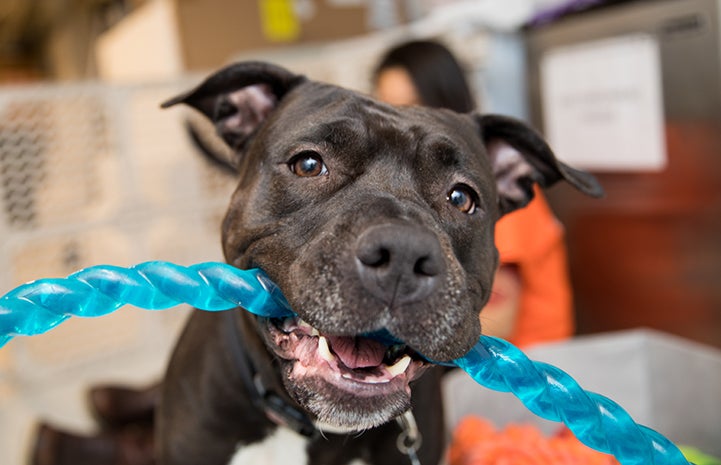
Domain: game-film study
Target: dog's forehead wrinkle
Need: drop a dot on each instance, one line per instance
(378, 132)
(338, 131)
(370, 119)
(446, 152)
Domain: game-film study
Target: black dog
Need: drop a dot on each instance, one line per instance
(377, 224)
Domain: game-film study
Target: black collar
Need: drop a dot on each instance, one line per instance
(276, 408)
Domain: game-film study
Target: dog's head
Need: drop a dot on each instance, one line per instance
(370, 218)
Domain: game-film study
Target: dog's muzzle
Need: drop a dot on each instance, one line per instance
(351, 363)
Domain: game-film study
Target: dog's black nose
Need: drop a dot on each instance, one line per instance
(399, 264)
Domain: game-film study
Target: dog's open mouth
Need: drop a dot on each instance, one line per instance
(352, 363)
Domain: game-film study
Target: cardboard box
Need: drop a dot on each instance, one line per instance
(211, 31)
(163, 38)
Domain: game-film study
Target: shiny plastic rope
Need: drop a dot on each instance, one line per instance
(553, 394)
(547, 391)
(38, 306)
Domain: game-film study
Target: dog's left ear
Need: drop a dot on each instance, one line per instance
(521, 158)
(239, 98)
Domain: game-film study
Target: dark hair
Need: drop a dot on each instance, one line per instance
(436, 74)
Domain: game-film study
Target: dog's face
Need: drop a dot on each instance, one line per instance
(372, 219)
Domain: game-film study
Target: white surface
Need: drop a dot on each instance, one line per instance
(602, 104)
(144, 46)
(94, 175)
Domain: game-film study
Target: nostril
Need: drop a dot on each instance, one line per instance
(375, 257)
(427, 266)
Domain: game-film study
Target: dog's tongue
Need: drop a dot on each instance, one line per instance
(357, 352)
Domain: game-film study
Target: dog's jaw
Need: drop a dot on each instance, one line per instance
(347, 383)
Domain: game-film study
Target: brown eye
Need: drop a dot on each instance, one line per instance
(463, 198)
(307, 164)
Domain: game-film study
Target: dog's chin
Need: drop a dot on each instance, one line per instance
(348, 383)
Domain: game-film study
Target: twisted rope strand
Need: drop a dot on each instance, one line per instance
(39, 306)
(547, 391)
(551, 393)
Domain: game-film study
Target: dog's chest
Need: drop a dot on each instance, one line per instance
(283, 447)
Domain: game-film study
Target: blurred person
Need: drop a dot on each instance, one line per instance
(531, 298)
(423, 73)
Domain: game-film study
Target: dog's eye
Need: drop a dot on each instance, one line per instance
(463, 198)
(307, 164)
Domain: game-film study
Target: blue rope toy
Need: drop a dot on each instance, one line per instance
(547, 391)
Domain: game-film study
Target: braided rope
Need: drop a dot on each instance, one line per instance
(547, 391)
(39, 306)
(551, 393)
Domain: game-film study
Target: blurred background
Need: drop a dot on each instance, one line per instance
(93, 172)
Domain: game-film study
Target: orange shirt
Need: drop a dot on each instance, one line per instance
(532, 239)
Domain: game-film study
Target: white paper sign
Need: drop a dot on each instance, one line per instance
(603, 106)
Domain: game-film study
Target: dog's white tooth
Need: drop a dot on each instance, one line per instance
(400, 366)
(303, 324)
(377, 381)
(324, 350)
(314, 332)
(368, 380)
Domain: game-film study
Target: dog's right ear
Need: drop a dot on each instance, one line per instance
(239, 98)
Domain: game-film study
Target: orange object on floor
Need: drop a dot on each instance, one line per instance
(477, 442)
